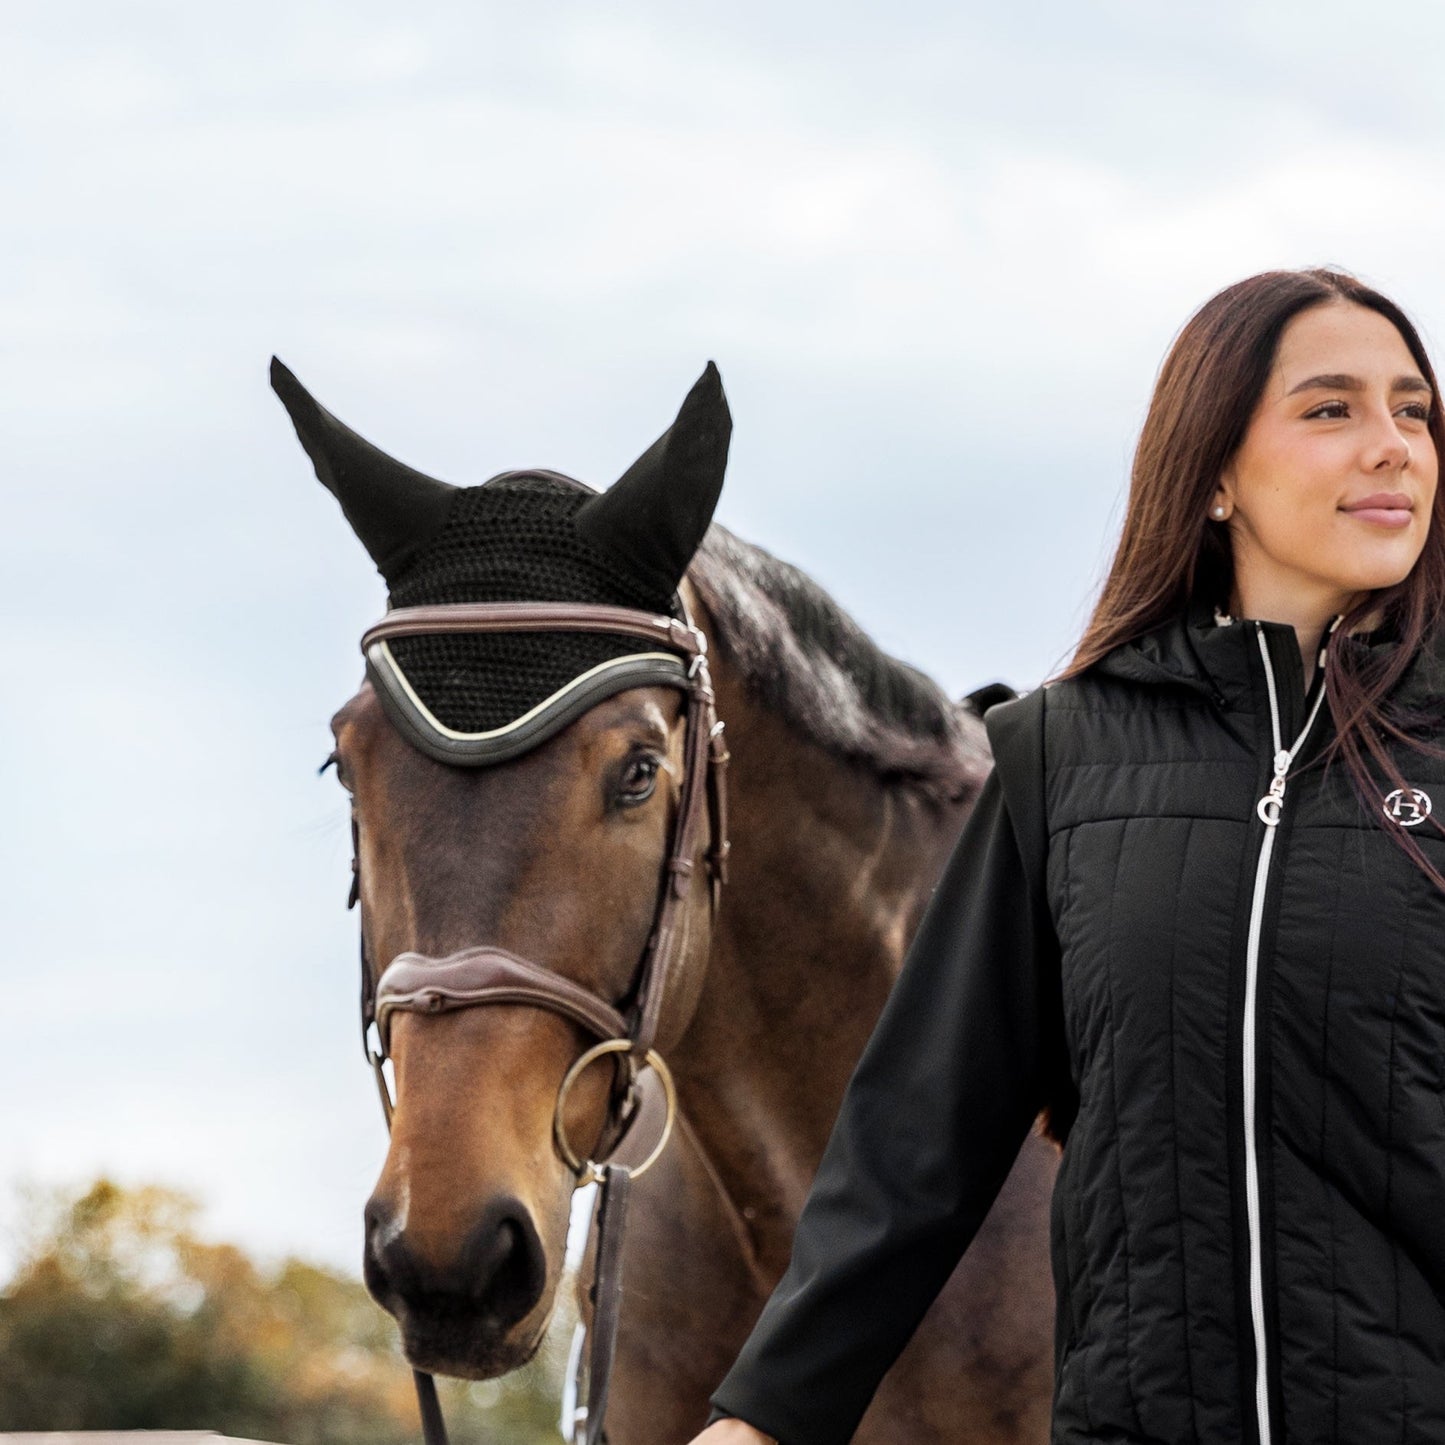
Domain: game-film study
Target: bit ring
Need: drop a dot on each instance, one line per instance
(588, 1170)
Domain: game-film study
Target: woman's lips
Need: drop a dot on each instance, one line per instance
(1383, 509)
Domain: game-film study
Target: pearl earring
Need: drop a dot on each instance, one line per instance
(1219, 512)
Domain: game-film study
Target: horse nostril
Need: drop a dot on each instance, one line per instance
(386, 1263)
(503, 1266)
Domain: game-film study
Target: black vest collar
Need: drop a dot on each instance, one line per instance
(1191, 651)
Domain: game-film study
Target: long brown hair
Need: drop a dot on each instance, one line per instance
(1169, 552)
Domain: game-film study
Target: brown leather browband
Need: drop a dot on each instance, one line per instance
(673, 632)
(485, 974)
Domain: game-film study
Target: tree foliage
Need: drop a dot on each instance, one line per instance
(120, 1316)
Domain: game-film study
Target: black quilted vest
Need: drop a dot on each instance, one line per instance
(1256, 1170)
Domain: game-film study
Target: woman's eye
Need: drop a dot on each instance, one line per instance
(639, 778)
(1330, 410)
(1416, 411)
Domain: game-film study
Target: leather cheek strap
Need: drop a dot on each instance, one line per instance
(669, 930)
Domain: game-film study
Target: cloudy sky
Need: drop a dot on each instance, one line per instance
(936, 250)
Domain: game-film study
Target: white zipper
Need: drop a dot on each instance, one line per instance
(1269, 808)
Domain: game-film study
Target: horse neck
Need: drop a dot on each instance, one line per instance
(830, 870)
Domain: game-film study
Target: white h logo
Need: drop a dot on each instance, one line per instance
(1408, 806)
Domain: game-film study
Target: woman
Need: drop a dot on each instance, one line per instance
(1197, 920)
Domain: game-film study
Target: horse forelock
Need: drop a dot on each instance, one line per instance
(803, 657)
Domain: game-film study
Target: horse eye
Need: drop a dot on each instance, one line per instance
(333, 760)
(639, 778)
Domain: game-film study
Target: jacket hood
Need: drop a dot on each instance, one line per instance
(1193, 652)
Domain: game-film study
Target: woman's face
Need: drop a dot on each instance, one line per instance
(1331, 491)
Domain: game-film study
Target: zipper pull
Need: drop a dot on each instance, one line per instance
(1270, 806)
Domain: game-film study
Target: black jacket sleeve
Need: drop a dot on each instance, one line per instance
(932, 1120)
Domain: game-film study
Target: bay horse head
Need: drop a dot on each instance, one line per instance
(527, 760)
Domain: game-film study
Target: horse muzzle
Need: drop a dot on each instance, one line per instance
(462, 1317)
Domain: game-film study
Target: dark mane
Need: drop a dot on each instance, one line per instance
(804, 658)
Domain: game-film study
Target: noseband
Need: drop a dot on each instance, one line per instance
(485, 974)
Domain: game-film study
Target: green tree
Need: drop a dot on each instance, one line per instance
(120, 1316)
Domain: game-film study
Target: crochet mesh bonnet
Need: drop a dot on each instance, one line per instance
(533, 536)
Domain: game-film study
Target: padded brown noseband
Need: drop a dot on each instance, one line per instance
(486, 974)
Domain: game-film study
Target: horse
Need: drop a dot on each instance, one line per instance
(851, 774)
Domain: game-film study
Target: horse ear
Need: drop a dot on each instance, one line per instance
(392, 509)
(655, 514)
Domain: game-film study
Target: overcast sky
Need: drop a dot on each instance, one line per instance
(936, 250)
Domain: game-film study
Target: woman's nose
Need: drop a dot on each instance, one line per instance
(1389, 449)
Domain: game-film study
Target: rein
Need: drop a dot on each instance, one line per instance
(485, 974)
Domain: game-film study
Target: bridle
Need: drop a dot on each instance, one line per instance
(485, 974)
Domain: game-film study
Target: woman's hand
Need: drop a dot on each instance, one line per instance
(732, 1432)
